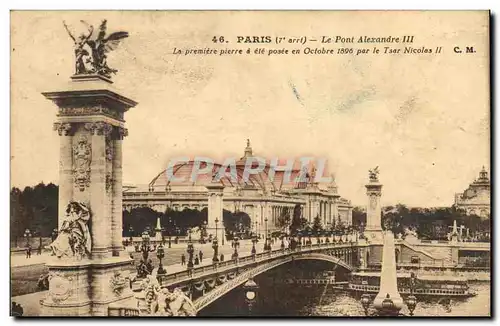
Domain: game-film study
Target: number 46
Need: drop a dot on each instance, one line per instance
(220, 39)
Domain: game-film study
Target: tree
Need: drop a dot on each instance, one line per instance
(297, 223)
(339, 226)
(317, 225)
(233, 222)
(283, 220)
(358, 217)
(34, 208)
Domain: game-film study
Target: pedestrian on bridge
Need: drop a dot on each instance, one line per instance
(183, 259)
(201, 256)
(221, 257)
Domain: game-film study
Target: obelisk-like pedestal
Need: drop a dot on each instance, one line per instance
(373, 230)
(91, 125)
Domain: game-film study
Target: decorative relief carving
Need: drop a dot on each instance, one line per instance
(82, 157)
(122, 132)
(109, 182)
(110, 151)
(99, 128)
(63, 129)
(90, 110)
(117, 283)
(59, 287)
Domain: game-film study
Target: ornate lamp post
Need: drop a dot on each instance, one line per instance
(216, 229)
(131, 233)
(267, 245)
(54, 235)
(236, 243)
(254, 241)
(40, 242)
(190, 251)
(215, 247)
(169, 231)
(309, 233)
(203, 232)
(145, 246)
(160, 253)
(27, 235)
(365, 302)
(250, 288)
(411, 301)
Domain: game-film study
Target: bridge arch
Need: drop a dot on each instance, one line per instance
(221, 290)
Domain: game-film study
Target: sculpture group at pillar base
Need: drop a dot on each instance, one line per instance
(86, 287)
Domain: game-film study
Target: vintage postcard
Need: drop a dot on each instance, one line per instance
(250, 163)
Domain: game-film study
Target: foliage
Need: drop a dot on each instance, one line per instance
(283, 220)
(179, 222)
(297, 221)
(431, 223)
(358, 217)
(34, 208)
(317, 225)
(340, 226)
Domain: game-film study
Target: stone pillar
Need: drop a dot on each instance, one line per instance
(335, 213)
(373, 229)
(65, 168)
(89, 118)
(99, 199)
(349, 216)
(114, 184)
(314, 209)
(215, 210)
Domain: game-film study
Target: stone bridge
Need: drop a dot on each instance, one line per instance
(206, 284)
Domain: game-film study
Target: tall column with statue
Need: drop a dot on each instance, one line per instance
(373, 229)
(88, 270)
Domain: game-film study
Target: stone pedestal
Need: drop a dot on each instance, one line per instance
(388, 277)
(373, 230)
(91, 125)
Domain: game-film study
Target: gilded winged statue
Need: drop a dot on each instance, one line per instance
(98, 46)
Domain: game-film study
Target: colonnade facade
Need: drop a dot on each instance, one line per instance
(264, 212)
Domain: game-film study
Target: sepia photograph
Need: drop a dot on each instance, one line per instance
(250, 164)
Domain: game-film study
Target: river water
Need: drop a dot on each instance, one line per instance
(342, 304)
(277, 299)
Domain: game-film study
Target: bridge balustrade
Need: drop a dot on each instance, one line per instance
(182, 276)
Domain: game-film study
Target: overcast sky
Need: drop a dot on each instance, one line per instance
(423, 119)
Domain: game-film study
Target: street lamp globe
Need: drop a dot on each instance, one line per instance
(250, 288)
(250, 295)
(411, 302)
